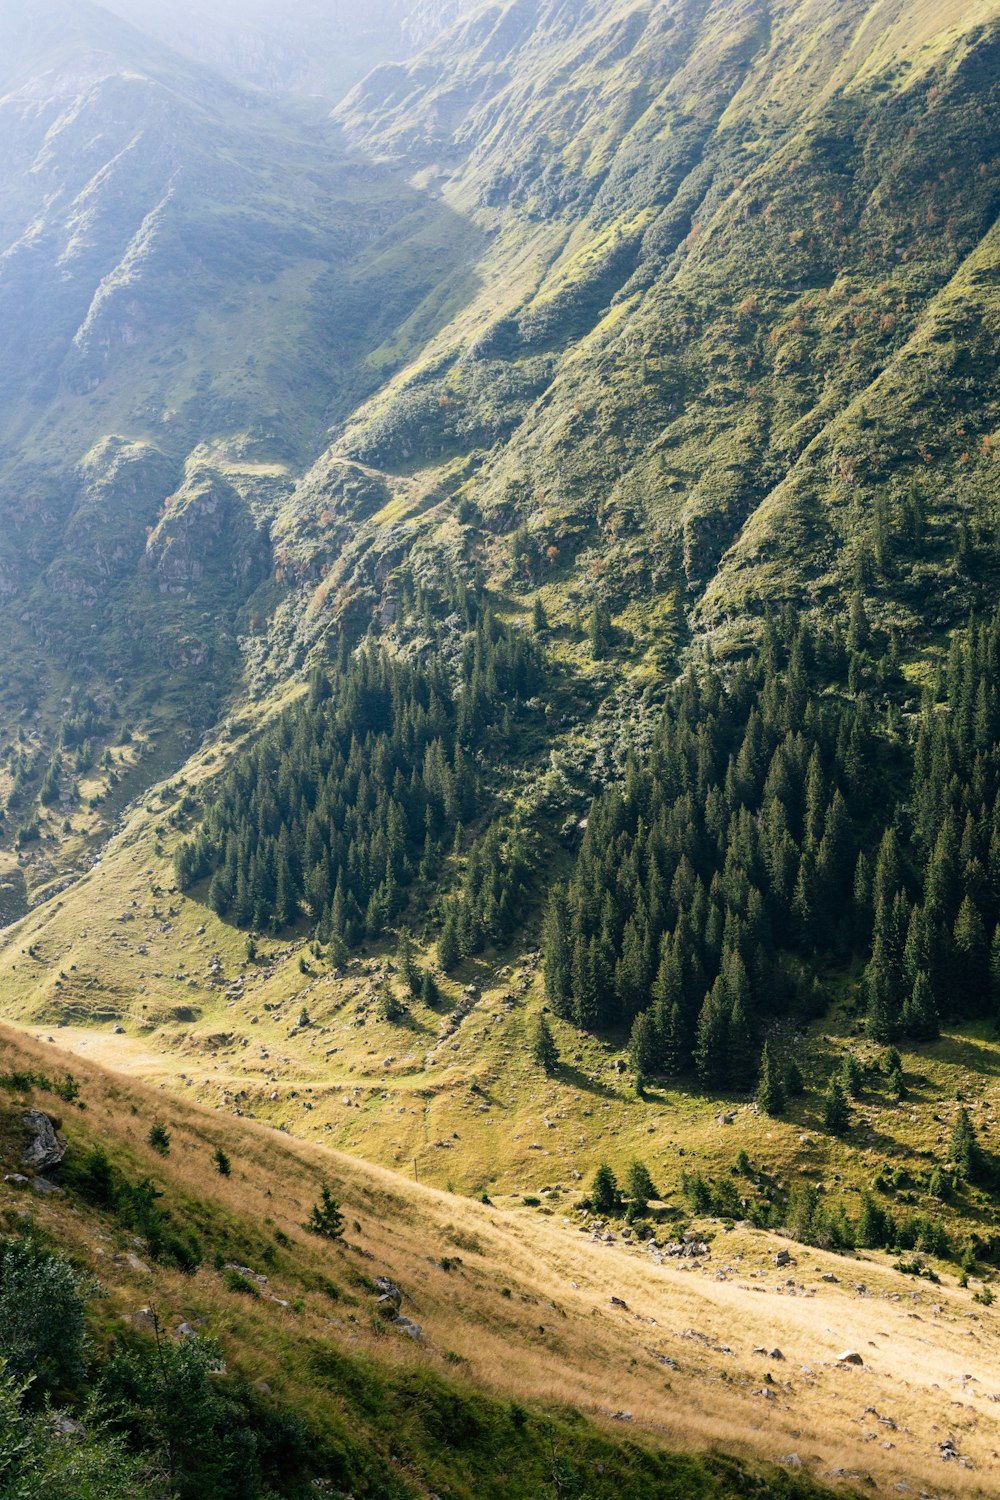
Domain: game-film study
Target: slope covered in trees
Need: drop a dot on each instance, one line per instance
(352, 796)
(792, 824)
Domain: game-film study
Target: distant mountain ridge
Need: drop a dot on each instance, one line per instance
(318, 47)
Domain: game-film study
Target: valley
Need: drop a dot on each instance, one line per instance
(500, 687)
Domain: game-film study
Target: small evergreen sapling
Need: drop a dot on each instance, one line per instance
(326, 1218)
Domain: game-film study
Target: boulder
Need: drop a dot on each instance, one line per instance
(783, 1258)
(44, 1152)
(133, 1263)
(850, 1357)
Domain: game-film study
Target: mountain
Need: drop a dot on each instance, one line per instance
(757, 294)
(174, 252)
(319, 49)
(502, 633)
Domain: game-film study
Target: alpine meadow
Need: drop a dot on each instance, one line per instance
(499, 749)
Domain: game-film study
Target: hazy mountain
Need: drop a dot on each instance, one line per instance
(173, 254)
(317, 47)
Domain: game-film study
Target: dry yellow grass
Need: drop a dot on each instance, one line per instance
(525, 1307)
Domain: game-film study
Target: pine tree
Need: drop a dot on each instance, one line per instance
(851, 1076)
(836, 1110)
(222, 1163)
(639, 1186)
(965, 1153)
(604, 1195)
(447, 943)
(644, 1044)
(543, 1047)
(771, 1089)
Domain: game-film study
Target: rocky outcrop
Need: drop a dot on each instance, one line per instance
(205, 532)
(44, 1151)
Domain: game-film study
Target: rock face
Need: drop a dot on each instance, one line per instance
(44, 1151)
(205, 531)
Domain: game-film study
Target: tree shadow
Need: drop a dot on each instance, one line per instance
(578, 1079)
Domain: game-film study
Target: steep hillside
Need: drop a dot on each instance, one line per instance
(759, 314)
(175, 258)
(508, 1305)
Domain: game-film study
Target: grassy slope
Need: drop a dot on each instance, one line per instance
(516, 1305)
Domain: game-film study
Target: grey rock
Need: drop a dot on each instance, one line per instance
(65, 1427)
(43, 1186)
(44, 1151)
(133, 1263)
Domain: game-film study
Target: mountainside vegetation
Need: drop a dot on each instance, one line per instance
(500, 589)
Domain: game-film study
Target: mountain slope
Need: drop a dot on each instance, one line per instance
(513, 1306)
(174, 257)
(759, 248)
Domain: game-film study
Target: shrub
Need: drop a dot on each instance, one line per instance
(42, 1302)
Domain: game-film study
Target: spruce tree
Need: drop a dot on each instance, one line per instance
(543, 1047)
(447, 944)
(539, 620)
(851, 1076)
(920, 1016)
(429, 992)
(875, 1229)
(836, 1110)
(604, 1195)
(964, 1152)
(712, 1044)
(409, 973)
(644, 1044)
(639, 1186)
(771, 1089)
(792, 1079)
